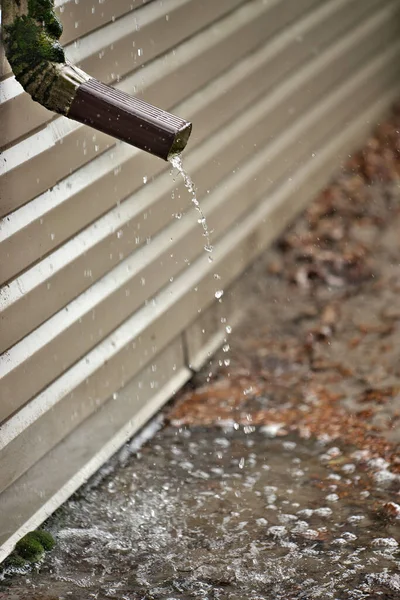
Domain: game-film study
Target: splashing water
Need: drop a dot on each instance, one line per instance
(222, 513)
(176, 162)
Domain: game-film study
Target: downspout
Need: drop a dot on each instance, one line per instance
(31, 31)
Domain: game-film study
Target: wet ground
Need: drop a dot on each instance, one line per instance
(226, 513)
(277, 473)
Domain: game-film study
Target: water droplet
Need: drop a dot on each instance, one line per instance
(332, 497)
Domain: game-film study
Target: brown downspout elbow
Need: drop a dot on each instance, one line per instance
(31, 33)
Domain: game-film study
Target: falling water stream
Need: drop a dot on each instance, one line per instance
(176, 162)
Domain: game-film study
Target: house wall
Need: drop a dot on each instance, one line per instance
(108, 299)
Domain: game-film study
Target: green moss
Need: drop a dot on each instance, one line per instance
(42, 11)
(33, 38)
(29, 45)
(43, 537)
(29, 548)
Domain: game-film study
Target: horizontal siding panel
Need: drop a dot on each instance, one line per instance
(139, 37)
(19, 114)
(38, 493)
(204, 337)
(38, 162)
(80, 18)
(209, 331)
(150, 329)
(80, 198)
(49, 286)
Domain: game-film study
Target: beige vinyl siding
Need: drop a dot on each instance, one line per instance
(102, 286)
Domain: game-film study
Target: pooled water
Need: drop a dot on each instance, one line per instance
(176, 162)
(223, 514)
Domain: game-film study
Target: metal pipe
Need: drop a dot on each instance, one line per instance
(31, 33)
(129, 119)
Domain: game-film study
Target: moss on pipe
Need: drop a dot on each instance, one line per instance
(43, 12)
(31, 33)
(30, 45)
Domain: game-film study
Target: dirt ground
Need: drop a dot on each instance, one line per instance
(277, 472)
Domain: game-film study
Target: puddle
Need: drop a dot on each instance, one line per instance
(225, 514)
